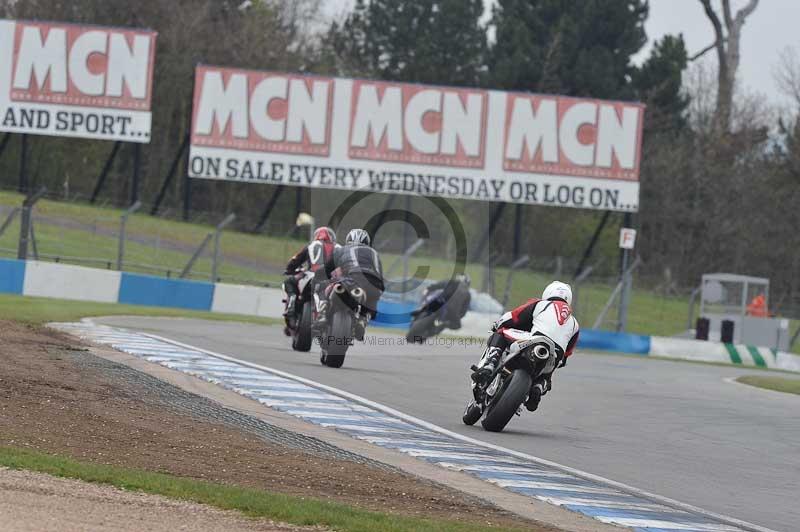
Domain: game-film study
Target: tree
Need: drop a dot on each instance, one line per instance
(567, 47)
(726, 43)
(427, 41)
(658, 83)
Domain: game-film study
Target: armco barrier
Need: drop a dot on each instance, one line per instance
(49, 279)
(395, 315)
(248, 300)
(12, 276)
(613, 341)
(90, 284)
(149, 290)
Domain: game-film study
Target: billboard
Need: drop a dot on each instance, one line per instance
(353, 134)
(76, 81)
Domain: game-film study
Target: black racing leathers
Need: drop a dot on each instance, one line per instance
(361, 265)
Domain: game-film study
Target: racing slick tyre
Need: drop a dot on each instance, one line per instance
(503, 408)
(421, 329)
(471, 414)
(301, 341)
(339, 340)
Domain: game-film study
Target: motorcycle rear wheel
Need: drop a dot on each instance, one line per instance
(503, 408)
(341, 331)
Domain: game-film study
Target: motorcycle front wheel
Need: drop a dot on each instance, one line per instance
(512, 395)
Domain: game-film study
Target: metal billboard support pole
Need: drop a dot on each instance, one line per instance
(22, 185)
(517, 230)
(217, 234)
(262, 221)
(137, 164)
(34, 247)
(626, 279)
(497, 212)
(101, 179)
(25, 223)
(4, 143)
(123, 223)
(589, 248)
(187, 193)
(168, 179)
(406, 242)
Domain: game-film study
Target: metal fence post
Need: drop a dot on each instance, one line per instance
(217, 234)
(25, 223)
(625, 280)
(123, 223)
(34, 247)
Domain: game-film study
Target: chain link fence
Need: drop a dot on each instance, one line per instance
(74, 232)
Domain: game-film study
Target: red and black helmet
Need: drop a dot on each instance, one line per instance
(325, 234)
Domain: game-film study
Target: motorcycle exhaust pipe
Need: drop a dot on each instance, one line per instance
(358, 292)
(541, 352)
(339, 289)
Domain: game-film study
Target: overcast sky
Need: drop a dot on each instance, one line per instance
(770, 29)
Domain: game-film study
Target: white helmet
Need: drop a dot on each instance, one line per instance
(358, 236)
(559, 290)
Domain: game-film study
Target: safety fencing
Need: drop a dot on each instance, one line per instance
(47, 279)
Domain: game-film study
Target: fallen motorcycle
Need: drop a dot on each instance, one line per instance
(429, 319)
(498, 398)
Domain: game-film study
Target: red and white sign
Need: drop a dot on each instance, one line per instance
(313, 131)
(415, 124)
(76, 81)
(262, 111)
(627, 238)
(569, 136)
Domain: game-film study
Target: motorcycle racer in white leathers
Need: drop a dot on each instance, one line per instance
(551, 316)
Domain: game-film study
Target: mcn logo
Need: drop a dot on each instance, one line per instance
(417, 124)
(262, 111)
(567, 136)
(82, 65)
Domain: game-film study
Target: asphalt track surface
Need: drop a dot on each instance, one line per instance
(672, 428)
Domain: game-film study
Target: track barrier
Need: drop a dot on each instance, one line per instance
(47, 279)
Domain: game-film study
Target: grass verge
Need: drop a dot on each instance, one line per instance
(39, 310)
(251, 502)
(778, 384)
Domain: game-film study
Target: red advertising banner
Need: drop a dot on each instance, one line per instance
(262, 111)
(74, 80)
(415, 124)
(314, 131)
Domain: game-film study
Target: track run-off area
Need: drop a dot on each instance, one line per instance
(675, 429)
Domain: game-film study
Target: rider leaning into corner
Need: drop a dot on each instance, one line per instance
(552, 316)
(359, 263)
(318, 256)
